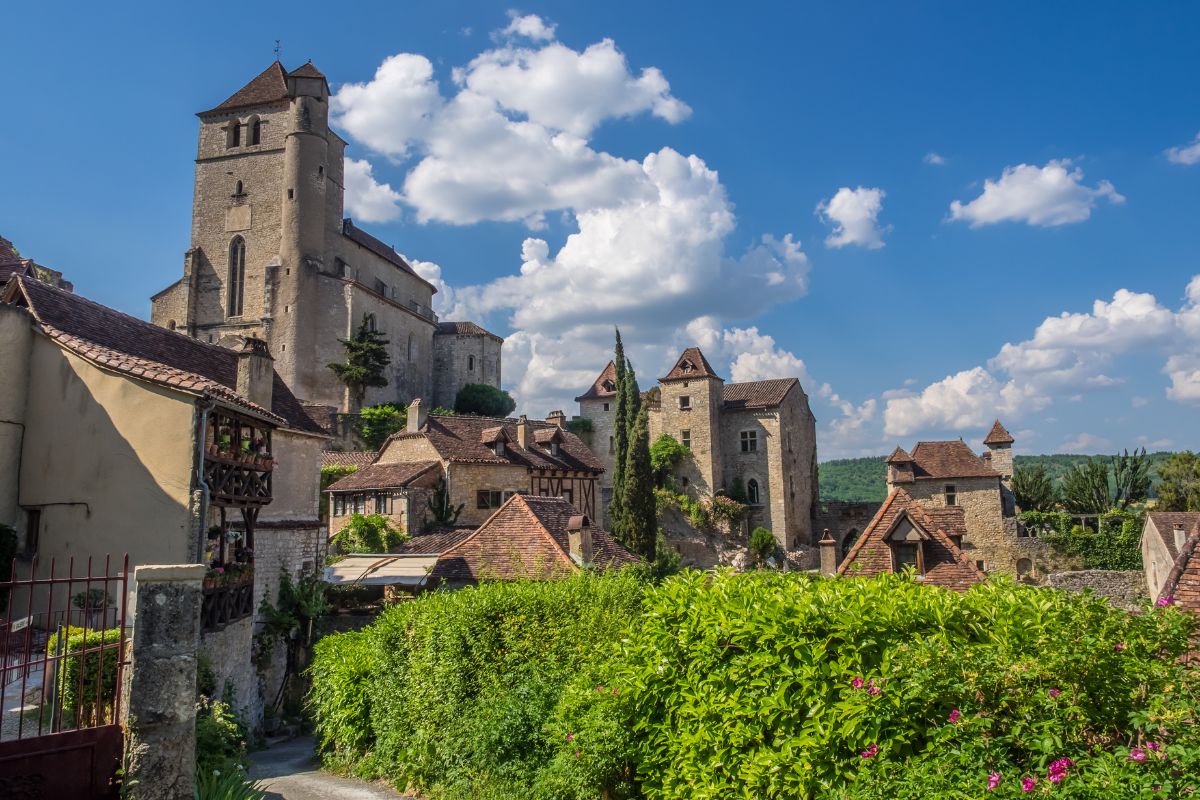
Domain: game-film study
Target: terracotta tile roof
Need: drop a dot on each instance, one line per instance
(270, 86)
(463, 329)
(384, 476)
(899, 456)
(1183, 581)
(462, 439)
(306, 71)
(757, 394)
(526, 538)
(351, 459)
(937, 460)
(951, 519)
(11, 262)
(547, 435)
(604, 386)
(386, 252)
(1165, 522)
(998, 435)
(945, 564)
(126, 344)
(434, 542)
(691, 364)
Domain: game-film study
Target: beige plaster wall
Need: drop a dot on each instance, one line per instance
(16, 350)
(296, 478)
(1156, 559)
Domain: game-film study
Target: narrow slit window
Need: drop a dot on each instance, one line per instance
(237, 275)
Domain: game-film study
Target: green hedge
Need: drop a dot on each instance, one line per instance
(764, 685)
(86, 707)
(1117, 544)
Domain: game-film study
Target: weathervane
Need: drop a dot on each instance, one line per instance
(277, 49)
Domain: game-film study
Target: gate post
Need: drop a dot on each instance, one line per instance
(160, 706)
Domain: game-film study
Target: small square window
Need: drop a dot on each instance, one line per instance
(685, 402)
(906, 554)
(33, 530)
(489, 498)
(951, 495)
(685, 439)
(749, 441)
(606, 406)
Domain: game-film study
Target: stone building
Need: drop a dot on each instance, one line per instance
(271, 255)
(12, 263)
(906, 535)
(123, 437)
(948, 474)
(1168, 556)
(485, 461)
(398, 492)
(759, 435)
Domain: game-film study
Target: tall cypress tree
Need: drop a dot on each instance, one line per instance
(620, 436)
(639, 527)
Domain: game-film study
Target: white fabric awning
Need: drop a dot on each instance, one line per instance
(385, 569)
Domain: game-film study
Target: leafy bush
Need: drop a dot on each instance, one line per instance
(226, 785)
(580, 426)
(484, 401)
(87, 706)
(221, 754)
(466, 694)
(702, 513)
(762, 544)
(376, 423)
(1033, 488)
(665, 453)
(368, 533)
(1117, 545)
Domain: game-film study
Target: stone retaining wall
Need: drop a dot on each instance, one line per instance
(1124, 588)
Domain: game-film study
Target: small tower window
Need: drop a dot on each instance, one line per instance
(951, 495)
(470, 363)
(749, 441)
(237, 275)
(412, 348)
(685, 439)
(752, 492)
(256, 132)
(371, 323)
(685, 402)
(234, 138)
(238, 189)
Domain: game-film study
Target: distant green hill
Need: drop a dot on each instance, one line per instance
(863, 478)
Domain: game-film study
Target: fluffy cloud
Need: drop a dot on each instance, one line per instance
(394, 109)
(1085, 443)
(1188, 154)
(367, 199)
(967, 399)
(531, 26)
(934, 159)
(854, 213)
(1044, 196)
(1184, 372)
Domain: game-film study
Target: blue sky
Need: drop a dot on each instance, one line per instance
(557, 184)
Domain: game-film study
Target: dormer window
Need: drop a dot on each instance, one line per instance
(554, 448)
(498, 448)
(608, 386)
(907, 545)
(687, 366)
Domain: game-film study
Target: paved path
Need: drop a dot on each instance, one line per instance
(288, 771)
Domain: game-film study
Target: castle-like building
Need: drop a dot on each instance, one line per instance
(759, 435)
(272, 256)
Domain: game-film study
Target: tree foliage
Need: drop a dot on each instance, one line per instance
(441, 511)
(1085, 488)
(1033, 489)
(368, 533)
(366, 359)
(482, 400)
(665, 454)
(376, 423)
(1179, 486)
(762, 544)
(1131, 478)
(638, 526)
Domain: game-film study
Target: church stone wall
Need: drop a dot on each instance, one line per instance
(461, 359)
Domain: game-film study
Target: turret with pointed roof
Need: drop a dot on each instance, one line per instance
(999, 443)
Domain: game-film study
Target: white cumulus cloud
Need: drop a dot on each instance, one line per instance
(1188, 154)
(531, 26)
(1044, 196)
(366, 199)
(934, 159)
(854, 213)
(392, 110)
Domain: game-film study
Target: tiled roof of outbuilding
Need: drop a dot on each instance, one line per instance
(435, 542)
(899, 456)
(122, 343)
(269, 86)
(757, 394)
(10, 261)
(953, 459)
(1165, 522)
(463, 439)
(384, 476)
(1183, 581)
(331, 458)
(998, 435)
(526, 538)
(691, 364)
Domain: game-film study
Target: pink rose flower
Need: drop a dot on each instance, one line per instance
(993, 781)
(872, 689)
(1137, 754)
(1119, 646)
(1165, 600)
(954, 715)
(857, 683)
(1027, 784)
(570, 737)
(870, 752)
(1054, 693)
(1151, 745)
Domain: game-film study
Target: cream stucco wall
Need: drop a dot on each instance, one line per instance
(16, 342)
(1156, 559)
(296, 478)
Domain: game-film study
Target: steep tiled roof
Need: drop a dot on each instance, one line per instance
(691, 364)
(1183, 581)
(306, 71)
(998, 435)
(1165, 522)
(434, 542)
(899, 456)
(604, 386)
(935, 460)
(526, 538)
(463, 329)
(757, 394)
(386, 252)
(945, 564)
(951, 519)
(270, 86)
(462, 439)
(384, 476)
(126, 344)
(352, 459)
(10, 261)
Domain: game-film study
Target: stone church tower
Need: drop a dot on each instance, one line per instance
(272, 256)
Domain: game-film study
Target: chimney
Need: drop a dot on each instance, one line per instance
(523, 432)
(255, 372)
(829, 557)
(1180, 536)
(557, 418)
(579, 539)
(417, 415)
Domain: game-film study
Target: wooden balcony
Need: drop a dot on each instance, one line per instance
(238, 481)
(227, 599)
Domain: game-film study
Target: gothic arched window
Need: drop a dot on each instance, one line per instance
(255, 131)
(237, 275)
(752, 492)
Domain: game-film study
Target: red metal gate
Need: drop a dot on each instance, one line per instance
(62, 655)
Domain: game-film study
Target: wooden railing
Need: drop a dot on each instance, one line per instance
(227, 600)
(238, 480)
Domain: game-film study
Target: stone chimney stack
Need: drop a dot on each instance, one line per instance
(1180, 536)
(417, 415)
(523, 432)
(579, 539)
(557, 418)
(256, 372)
(829, 555)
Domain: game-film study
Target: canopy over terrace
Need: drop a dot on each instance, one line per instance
(383, 569)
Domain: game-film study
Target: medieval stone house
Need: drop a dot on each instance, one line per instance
(271, 256)
(759, 435)
(1169, 556)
